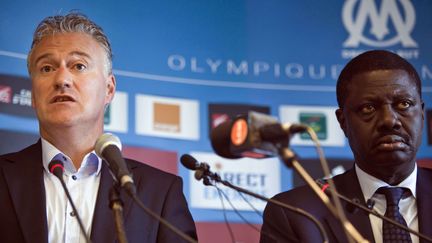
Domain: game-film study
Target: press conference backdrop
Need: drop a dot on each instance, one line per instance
(183, 67)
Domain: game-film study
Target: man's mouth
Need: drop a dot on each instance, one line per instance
(391, 143)
(62, 98)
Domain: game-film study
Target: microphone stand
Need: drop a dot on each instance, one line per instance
(203, 172)
(288, 157)
(116, 205)
(376, 214)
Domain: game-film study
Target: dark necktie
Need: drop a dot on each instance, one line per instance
(392, 233)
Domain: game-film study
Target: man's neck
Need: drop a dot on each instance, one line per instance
(74, 144)
(392, 176)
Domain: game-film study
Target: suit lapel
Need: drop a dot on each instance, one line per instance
(24, 177)
(103, 229)
(424, 201)
(348, 185)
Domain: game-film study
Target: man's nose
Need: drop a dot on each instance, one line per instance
(63, 78)
(389, 118)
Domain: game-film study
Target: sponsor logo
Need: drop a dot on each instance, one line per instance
(379, 26)
(320, 118)
(218, 118)
(5, 94)
(317, 121)
(23, 98)
(167, 117)
(220, 113)
(261, 176)
(15, 96)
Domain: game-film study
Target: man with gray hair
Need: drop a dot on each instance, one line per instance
(72, 83)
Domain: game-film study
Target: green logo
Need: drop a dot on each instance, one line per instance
(107, 115)
(317, 121)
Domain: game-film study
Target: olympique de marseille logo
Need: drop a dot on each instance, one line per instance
(379, 34)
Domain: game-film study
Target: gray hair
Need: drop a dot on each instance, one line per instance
(71, 23)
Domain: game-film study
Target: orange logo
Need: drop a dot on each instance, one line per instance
(239, 132)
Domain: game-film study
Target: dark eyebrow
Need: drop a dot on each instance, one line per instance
(73, 53)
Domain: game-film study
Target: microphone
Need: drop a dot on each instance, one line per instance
(202, 170)
(56, 168)
(108, 147)
(191, 163)
(254, 135)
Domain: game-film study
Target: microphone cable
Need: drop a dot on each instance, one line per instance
(240, 215)
(224, 214)
(236, 210)
(162, 220)
(251, 205)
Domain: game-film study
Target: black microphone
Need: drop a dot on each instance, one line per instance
(56, 168)
(255, 135)
(108, 147)
(202, 170)
(189, 162)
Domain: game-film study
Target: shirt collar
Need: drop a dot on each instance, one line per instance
(369, 184)
(91, 162)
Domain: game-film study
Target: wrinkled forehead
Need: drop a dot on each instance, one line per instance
(381, 78)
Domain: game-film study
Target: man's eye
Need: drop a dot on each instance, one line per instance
(367, 109)
(80, 66)
(403, 105)
(46, 69)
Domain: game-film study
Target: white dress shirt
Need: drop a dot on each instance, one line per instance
(407, 206)
(83, 185)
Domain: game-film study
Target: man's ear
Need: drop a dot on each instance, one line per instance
(341, 119)
(111, 88)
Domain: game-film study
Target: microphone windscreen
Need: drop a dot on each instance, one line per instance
(221, 140)
(56, 167)
(104, 140)
(188, 161)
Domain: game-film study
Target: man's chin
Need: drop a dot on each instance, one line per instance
(390, 159)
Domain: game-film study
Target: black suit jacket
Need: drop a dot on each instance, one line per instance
(281, 225)
(23, 211)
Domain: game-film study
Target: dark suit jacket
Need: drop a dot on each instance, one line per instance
(23, 211)
(281, 225)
